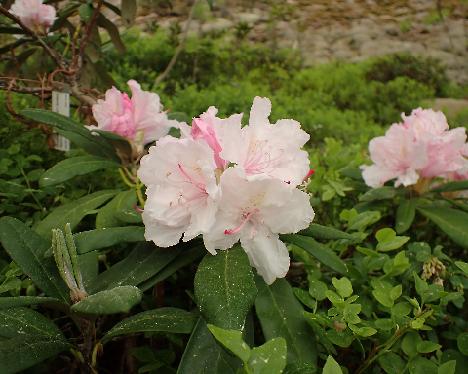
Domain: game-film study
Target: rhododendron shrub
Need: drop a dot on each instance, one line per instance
(230, 183)
(420, 147)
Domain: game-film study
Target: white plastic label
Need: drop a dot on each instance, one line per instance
(61, 105)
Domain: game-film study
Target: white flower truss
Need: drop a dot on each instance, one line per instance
(230, 183)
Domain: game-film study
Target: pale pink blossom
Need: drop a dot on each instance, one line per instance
(182, 190)
(139, 118)
(396, 156)
(230, 183)
(444, 147)
(255, 210)
(263, 148)
(209, 128)
(420, 147)
(34, 14)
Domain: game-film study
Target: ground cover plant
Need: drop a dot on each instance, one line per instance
(322, 231)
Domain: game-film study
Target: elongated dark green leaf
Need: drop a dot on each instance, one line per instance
(22, 352)
(204, 355)
(171, 320)
(87, 241)
(72, 167)
(322, 253)
(78, 134)
(26, 328)
(19, 321)
(141, 264)
(183, 259)
(381, 193)
(113, 32)
(281, 315)
(118, 211)
(225, 288)
(72, 212)
(325, 232)
(453, 222)
(89, 267)
(452, 186)
(27, 249)
(14, 302)
(11, 30)
(117, 300)
(405, 215)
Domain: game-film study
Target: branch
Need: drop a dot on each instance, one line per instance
(28, 31)
(179, 48)
(89, 27)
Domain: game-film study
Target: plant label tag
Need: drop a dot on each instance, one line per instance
(61, 105)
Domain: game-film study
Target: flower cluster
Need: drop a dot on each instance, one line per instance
(422, 146)
(34, 14)
(230, 183)
(140, 119)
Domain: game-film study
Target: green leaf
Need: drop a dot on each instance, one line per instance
(184, 258)
(463, 266)
(462, 343)
(410, 342)
(322, 253)
(92, 240)
(141, 264)
(427, 346)
(384, 293)
(117, 300)
(22, 352)
(331, 367)
(388, 240)
(304, 297)
(391, 363)
(421, 365)
(381, 193)
(72, 212)
(317, 289)
(270, 358)
(113, 32)
(325, 233)
(203, 355)
(75, 132)
(361, 221)
(448, 367)
(14, 302)
(343, 286)
(128, 10)
(281, 315)
(170, 320)
(72, 167)
(452, 221)
(118, 211)
(28, 250)
(225, 288)
(452, 186)
(364, 331)
(405, 215)
(25, 321)
(232, 340)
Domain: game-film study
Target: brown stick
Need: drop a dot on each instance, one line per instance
(179, 48)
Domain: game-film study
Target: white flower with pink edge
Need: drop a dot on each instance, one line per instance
(230, 183)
